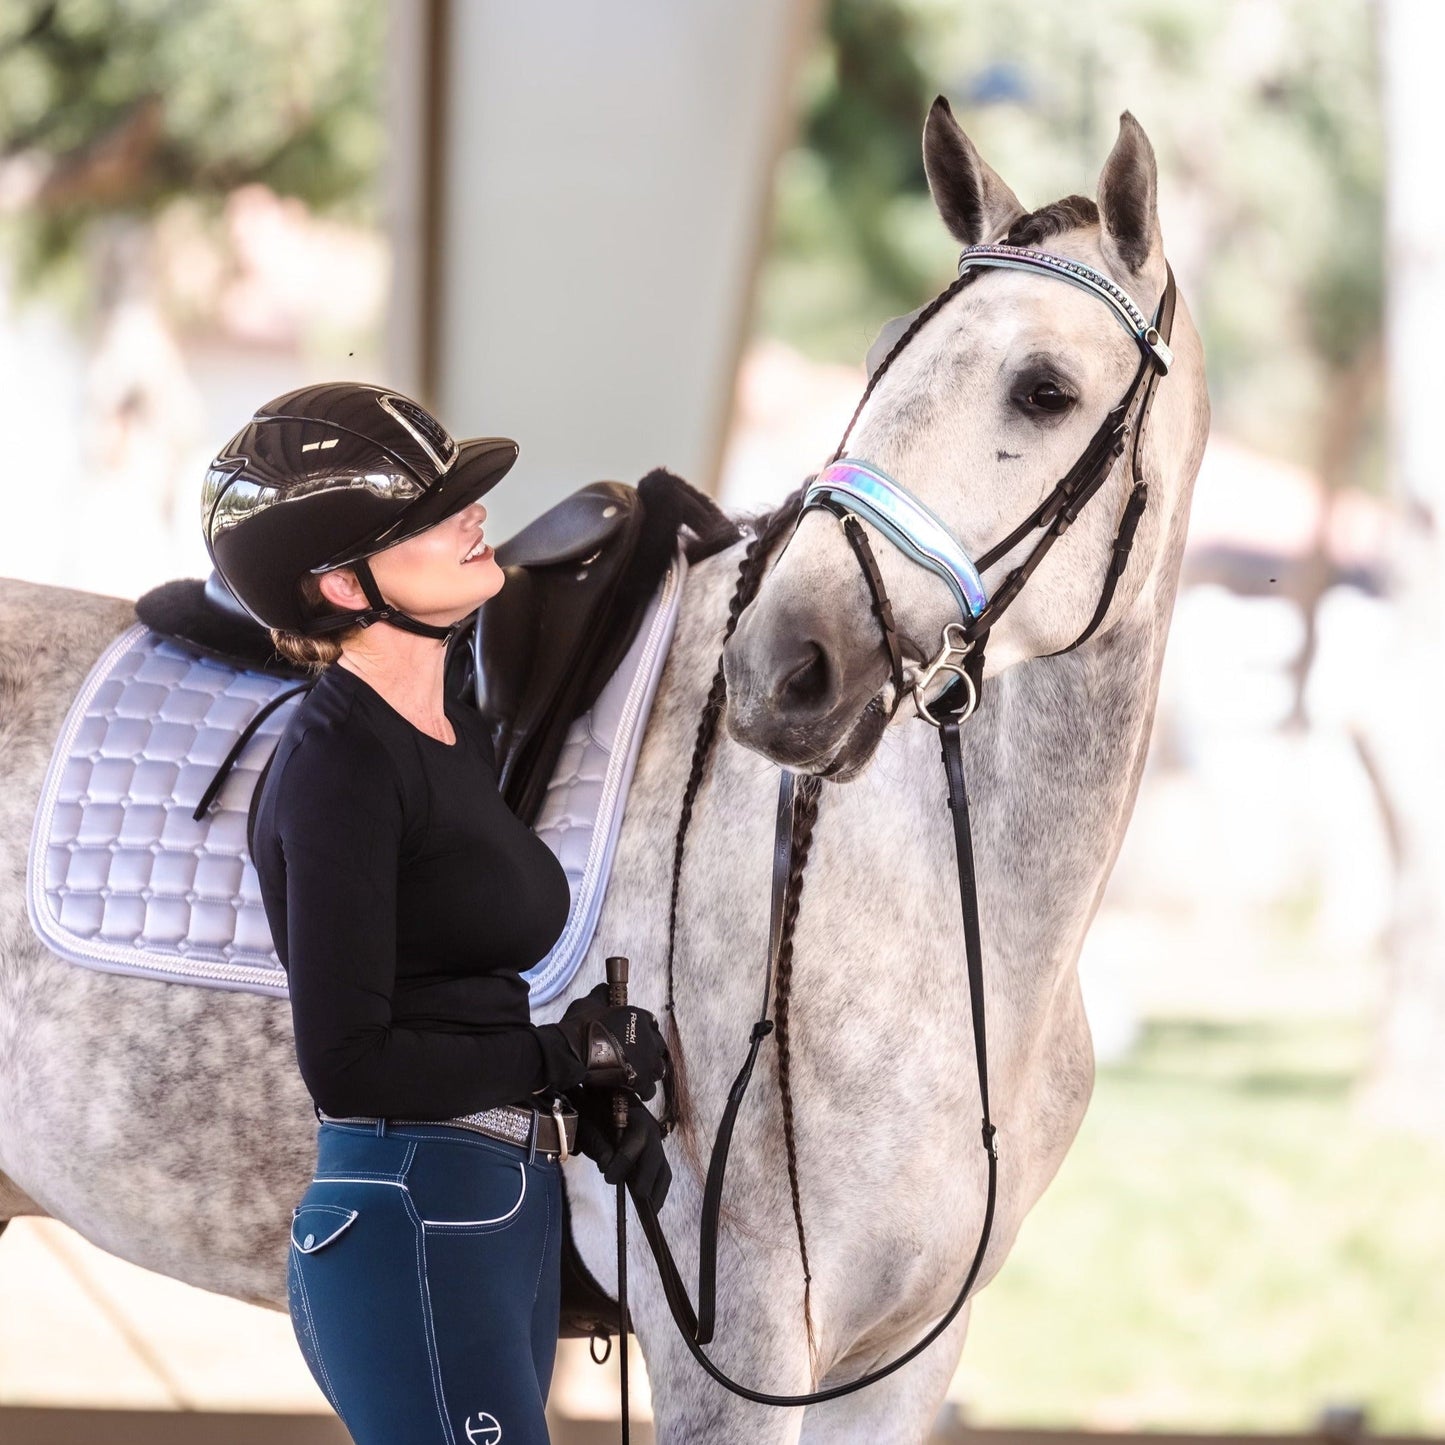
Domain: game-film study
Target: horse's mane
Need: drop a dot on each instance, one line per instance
(1055, 219)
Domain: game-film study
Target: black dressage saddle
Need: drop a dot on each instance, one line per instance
(535, 655)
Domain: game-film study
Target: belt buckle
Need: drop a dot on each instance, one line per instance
(562, 1154)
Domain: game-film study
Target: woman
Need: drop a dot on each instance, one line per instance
(405, 900)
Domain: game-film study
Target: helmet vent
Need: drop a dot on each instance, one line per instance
(429, 433)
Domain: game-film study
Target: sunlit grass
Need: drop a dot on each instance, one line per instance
(1228, 1245)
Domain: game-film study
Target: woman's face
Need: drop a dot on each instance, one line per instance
(424, 575)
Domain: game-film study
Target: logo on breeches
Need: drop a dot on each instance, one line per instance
(487, 1431)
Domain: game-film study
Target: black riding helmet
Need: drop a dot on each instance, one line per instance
(325, 476)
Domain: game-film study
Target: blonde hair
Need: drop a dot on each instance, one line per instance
(319, 652)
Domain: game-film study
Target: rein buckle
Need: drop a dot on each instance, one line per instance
(949, 658)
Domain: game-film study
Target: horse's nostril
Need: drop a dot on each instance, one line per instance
(807, 681)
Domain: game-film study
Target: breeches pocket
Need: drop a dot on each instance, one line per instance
(468, 1188)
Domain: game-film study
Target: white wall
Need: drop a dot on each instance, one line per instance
(607, 170)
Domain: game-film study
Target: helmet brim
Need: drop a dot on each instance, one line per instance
(481, 463)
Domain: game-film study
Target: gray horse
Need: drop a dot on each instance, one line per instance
(168, 1124)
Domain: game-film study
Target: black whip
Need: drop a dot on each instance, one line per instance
(617, 997)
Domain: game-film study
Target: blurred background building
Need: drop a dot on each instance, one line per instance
(654, 233)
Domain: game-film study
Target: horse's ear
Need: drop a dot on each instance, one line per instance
(974, 202)
(1129, 233)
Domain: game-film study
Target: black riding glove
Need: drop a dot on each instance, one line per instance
(620, 1045)
(638, 1157)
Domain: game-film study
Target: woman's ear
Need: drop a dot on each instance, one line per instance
(342, 588)
(970, 195)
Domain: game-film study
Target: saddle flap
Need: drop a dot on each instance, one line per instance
(546, 642)
(509, 619)
(314, 1226)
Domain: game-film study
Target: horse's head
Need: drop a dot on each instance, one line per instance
(987, 406)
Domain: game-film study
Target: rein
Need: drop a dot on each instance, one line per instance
(855, 489)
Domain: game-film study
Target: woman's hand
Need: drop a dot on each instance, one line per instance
(638, 1156)
(620, 1044)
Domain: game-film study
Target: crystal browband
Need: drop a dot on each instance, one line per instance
(1115, 297)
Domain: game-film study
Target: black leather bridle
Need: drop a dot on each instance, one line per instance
(848, 488)
(858, 488)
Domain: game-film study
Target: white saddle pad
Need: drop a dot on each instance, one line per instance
(122, 877)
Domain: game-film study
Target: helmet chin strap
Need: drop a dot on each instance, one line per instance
(383, 611)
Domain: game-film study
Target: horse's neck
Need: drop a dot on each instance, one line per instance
(1052, 761)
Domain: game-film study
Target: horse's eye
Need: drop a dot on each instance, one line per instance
(1047, 397)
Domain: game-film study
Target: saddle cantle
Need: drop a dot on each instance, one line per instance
(139, 859)
(206, 617)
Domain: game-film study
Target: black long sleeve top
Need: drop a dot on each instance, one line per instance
(405, 899)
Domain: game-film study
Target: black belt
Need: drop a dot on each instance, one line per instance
(512, 1122)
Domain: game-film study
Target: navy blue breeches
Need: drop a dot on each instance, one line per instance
(425, 1283)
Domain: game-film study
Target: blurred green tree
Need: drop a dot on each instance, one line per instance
(852, 214)
(117, 107)
(1265, 123)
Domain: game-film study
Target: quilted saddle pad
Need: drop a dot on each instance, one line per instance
(124, 878)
